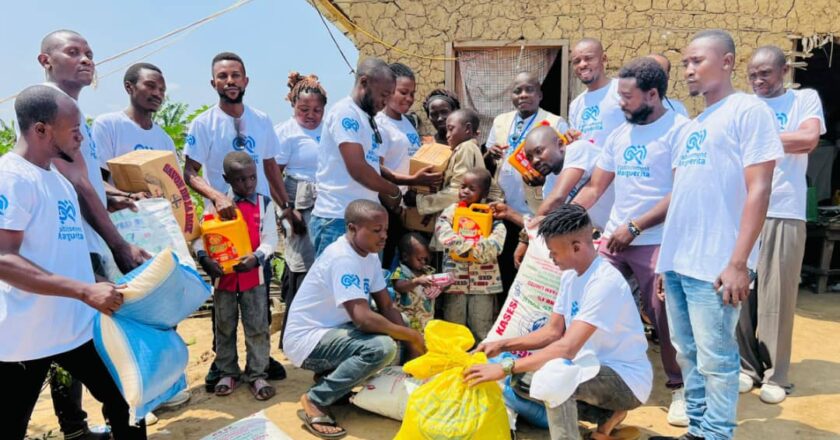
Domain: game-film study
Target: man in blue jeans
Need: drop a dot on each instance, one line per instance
(331, 328)
(350, 148)
(723, 167)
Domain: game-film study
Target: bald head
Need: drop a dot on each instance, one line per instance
(374, 69)
(771, 54)
(56, 39)
(589, 63)
(766, 71)
(663, 62)
(589, 43)
(527, 78)
(544, 149)
(541, 135)
(720, 40)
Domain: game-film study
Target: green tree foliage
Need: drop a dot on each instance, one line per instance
(7, 137)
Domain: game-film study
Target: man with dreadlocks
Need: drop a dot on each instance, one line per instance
(298, 159)
(594, 315)
(438, 105)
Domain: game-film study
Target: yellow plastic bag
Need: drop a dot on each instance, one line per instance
(446, 407)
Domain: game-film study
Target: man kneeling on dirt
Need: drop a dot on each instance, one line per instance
(332, 329)
(595, 314)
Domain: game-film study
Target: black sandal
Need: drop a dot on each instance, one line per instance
(325, 420)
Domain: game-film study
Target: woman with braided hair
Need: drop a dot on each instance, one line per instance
(438, 105)
(297, 159)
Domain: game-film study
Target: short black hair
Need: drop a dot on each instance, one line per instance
(132, 75)
(564, 220)
(37, 103)
(720, 36)
(404, 246)
(360, 210)
(402, 71)
(469, 116)
(648, 75)
(227, 56)
(49, 43)
(236, 158)
(374, 69)
(442, 94)
(484, 178)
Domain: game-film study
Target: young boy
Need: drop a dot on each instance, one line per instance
(245, 288)
(412, 282)
(332, 329)
(461, 133)
(470, 299)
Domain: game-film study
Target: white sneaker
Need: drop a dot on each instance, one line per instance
(745, 383)
(676, 412)
(151, 419)
(177, 400)
(772, 393)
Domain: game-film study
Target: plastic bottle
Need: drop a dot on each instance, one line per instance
(226, 241)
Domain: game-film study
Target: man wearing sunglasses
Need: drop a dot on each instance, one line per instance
(348, 167)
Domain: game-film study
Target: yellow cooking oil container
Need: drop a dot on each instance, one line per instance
(226, 241)
(471, 222)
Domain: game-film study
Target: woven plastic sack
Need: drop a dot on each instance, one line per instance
(146, 363)
(162, 291)
(387, 392)
(446, 407)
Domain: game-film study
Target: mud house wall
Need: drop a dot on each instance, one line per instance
(628, 28)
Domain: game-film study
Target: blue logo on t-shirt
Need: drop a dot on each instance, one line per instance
(350, 279)
(350, 124)
(575, 308)
(591, 113)
(318, 138)
(637, 153)
(782, 117)
(66, 211)
(142, 147)
(366, 283)
(695, 140)
(414, 138)
(244, 143)
(372, 156)
(4, 204)
(91, 143)
(190, 140)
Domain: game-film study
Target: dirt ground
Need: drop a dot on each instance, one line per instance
(811, 412)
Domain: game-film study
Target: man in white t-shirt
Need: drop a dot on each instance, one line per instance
(594, 314)
(765, 329)
(723, 167)
(637, 158)
(133, 128)
(348, 168)
(669, 103)
(595, 113)
(67, 60)
(331, 328)
(48, 296)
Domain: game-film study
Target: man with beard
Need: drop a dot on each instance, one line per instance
(67, 60)
(723, 164)
(637, 158)
(49, 295)
(595, 113)
(669, 102)
(348, 168)
(232, 126)
(765, 328)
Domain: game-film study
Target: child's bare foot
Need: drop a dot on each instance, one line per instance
(318, 421)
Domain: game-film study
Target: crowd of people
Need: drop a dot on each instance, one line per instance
(687, 212)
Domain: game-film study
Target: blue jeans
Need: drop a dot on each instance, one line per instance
(703, 334)
(348, 356)
(324, 231)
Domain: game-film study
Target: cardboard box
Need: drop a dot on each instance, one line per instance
(158, 173)
(413, 221)
(436, 155)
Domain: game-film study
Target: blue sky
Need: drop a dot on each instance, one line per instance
(272, 36)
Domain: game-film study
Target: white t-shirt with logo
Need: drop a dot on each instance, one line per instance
(601, 297)
(584, 155)
(399, 142)
(44, 205)
(788, 199)
(709, 190)
(346, 122)
(298, 149)
(212, 135)
(116, 134)
(339, 275)
(640, 158)
(597, 113)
